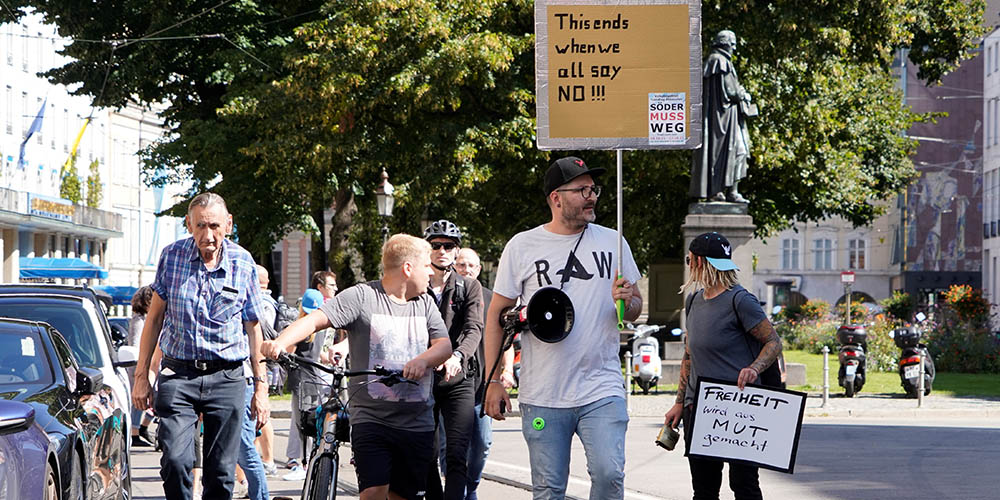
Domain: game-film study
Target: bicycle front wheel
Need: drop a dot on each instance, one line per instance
(323, 479)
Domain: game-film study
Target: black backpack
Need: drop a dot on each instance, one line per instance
(771, 376)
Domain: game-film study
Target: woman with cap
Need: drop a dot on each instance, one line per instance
(728, 338)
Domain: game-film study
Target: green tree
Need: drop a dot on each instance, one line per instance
(94, 187)
(441, 94)
(69, 185)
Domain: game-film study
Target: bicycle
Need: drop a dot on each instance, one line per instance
(328, 422)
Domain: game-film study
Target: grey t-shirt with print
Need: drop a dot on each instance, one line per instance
(382, 332)
(718, 348)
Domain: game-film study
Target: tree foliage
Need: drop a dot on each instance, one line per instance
(69, 184)
(441, 95)
(95, 190)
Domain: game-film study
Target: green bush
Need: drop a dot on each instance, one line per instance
(811, 336)
(815, 310)
(882, 353)
(959, 337)
(859, 313)
(899, 306)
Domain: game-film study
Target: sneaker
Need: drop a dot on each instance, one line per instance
(240, 490)
(291, 464)
(297, 474)
(137, 440)
(270, 469)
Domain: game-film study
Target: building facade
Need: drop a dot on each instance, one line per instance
(120, 233)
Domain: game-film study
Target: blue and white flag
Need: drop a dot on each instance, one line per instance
(36, 125)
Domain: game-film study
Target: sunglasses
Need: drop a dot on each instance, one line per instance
(438, 245)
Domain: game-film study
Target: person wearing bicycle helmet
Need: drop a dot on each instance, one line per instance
(394, 323)
(460, 301)
(573, 386)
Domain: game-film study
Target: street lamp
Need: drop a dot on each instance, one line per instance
(384, 201)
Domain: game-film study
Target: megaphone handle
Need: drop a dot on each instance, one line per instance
(620, 303)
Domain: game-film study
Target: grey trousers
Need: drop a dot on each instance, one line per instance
(219, 396)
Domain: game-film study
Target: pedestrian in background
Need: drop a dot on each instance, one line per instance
(723, 321)
(268, 315)
(205, 300)
(140, 419)
(307, 384)
(460, 301)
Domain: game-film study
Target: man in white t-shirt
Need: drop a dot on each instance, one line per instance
(575, 385)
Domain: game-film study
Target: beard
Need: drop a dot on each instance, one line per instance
(578, 216)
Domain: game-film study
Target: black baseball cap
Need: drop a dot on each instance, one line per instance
(566, 169)
(716, 249)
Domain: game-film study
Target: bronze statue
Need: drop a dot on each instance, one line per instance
(721, 162)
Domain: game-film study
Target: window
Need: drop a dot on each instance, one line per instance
(989, 59)
(789, 253)
(986, 125)
(24, 49)
(823, 253)
(994, 122)
(856, 254)
(49, 125)
(65, 134)
(10, 48)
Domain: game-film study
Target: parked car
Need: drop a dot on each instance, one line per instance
(84, 453)
(79, 315)
(26, 455)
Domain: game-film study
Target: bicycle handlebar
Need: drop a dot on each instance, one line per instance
(387, 378)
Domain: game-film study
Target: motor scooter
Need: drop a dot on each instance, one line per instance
(907, 338)
(646, 365)
(853, 341)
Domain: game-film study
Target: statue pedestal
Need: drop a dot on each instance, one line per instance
(730, 220)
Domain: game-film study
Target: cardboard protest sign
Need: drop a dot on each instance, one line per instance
(758, 425)
(610, 75)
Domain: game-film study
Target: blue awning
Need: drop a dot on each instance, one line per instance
(41, 268)
(120, 295)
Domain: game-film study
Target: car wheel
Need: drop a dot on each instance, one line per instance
(51, 491)
(125, 491)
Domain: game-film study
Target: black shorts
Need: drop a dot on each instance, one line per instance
(384, 455)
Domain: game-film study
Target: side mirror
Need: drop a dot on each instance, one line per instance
(88, 380)
(921, 316)
(127, 356)
(676, 332)
(892, 334)
(15, 417)
(775, 310)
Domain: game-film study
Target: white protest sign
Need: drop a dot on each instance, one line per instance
(667, 118)
(759, 426)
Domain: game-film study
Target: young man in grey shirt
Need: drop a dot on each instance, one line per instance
(393, 323)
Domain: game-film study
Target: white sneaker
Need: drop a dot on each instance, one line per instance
(297, 474)
(241, 490)
(270, 469)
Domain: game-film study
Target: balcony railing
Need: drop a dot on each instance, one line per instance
(17, 201)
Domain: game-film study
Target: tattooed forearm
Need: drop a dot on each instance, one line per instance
(685, 375)
(765, 334)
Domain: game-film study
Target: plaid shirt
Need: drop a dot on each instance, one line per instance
(206, 309)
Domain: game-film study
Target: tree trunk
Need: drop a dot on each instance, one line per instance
(344, 260)
(317, 257)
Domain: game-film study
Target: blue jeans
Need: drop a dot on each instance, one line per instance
(479, 449)
(248, 458)
(601, 427)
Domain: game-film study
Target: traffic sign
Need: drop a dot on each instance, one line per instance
(847, 277)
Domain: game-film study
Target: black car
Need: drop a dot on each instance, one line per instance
(72, 405)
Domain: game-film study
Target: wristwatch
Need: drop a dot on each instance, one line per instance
(260, 379)
(459, 355)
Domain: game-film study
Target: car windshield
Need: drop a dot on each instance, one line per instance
(66, 315)
(22, 358)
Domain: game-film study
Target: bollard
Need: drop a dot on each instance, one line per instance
(826, 375)
(920, 383)
(628, 382)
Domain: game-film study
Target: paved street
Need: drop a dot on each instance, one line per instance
(869, 447)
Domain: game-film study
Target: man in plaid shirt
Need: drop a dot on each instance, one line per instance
(206, 298)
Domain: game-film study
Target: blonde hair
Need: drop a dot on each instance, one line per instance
(708, 276)
(402, 248)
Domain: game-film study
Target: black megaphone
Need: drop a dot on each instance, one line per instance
(550, 314)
